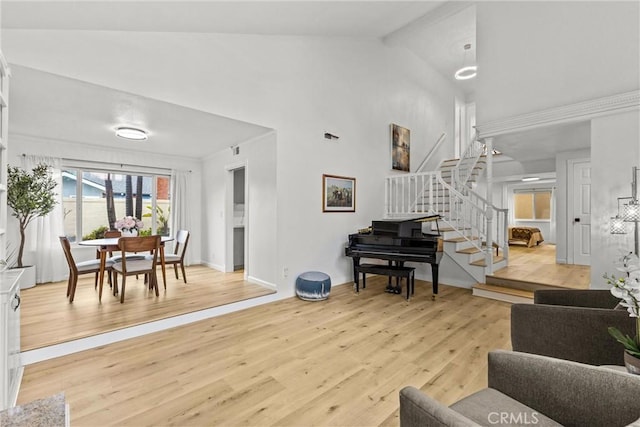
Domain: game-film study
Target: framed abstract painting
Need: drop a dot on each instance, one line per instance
(400, 147)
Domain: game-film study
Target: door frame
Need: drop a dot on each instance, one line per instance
(228, 215)
(570, 208)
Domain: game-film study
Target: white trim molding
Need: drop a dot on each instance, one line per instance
(580, 111)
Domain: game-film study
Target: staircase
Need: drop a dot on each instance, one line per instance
(468, 224)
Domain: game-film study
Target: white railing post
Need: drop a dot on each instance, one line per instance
(489, 208)
(386, 196)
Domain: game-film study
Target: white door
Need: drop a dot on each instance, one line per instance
(581, 212)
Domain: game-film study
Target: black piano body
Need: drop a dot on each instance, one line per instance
(397, 241)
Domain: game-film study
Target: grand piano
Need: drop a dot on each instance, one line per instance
(397, 241)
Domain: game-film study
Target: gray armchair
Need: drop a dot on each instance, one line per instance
(571, 325)
(528, 389)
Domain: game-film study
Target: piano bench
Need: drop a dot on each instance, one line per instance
(387, 270)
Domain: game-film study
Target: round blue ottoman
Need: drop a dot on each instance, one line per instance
(313, 286)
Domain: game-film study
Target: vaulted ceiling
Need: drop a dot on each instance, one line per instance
(435, 31)
(37, 92)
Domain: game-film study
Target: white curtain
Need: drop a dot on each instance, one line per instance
(42, 242)
(180, 205)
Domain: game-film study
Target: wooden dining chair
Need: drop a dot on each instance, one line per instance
(129, 267)
(78, 268)
(177, 257)
(109, 234)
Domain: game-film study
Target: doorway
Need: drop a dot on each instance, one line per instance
(236, 219)
(579, 212)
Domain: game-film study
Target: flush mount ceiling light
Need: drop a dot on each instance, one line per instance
(466, 72)
(131, 133)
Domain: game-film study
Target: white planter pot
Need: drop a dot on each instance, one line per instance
(129, 233)
(28, 278)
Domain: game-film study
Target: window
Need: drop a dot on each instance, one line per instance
(532, 205)
(94, 199)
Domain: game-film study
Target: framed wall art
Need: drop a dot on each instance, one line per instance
(338, 194)
(400, 145)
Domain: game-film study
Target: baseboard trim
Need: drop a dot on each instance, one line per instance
(261, 282)
(214, 266)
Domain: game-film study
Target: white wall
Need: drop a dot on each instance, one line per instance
(259, 159)
(615, 150)
(299, 86)
(535, 55)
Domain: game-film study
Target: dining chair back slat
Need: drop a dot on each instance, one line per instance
(145, 266)
(179, 250)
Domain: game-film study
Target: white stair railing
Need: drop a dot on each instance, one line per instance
(412, 194)
(463, 170)
(426, 193)
(431, 152)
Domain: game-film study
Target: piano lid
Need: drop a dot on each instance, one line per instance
(402, 228)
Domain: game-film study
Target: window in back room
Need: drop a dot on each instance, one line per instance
(532, 205)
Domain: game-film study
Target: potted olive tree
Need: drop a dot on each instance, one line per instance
(30, 195)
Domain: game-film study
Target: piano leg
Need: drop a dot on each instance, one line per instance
(389, 285)
(434, 278)
(356, 275)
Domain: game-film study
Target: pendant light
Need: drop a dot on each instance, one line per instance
(466, 72)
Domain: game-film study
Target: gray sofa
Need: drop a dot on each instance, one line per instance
(571, 325)
(528, 389)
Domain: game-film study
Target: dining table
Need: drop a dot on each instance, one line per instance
(110, 244)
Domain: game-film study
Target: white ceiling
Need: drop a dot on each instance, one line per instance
(41, 102)
(439, 38)
(372, 19)
(436, 31)
(544, 143)
(170, 123)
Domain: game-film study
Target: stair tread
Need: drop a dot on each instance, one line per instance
(460, 239)
(471, 250)
(482, 159)
(503, 290)
(482, 262)
(443, 229)
(448, 169)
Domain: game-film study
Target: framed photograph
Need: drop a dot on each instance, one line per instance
(338, 194)
(400, 145)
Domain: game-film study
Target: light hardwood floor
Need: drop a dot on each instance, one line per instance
(538, 264)
(291, 363)
(47, 317)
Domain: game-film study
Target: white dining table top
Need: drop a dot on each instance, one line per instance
(113, 241)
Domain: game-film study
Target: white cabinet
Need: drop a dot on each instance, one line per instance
(10, 364)
(4, 143)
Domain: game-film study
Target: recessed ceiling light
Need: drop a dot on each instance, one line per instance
(530, 178)
(131, 133)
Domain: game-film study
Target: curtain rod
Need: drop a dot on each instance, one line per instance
(121, 165)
